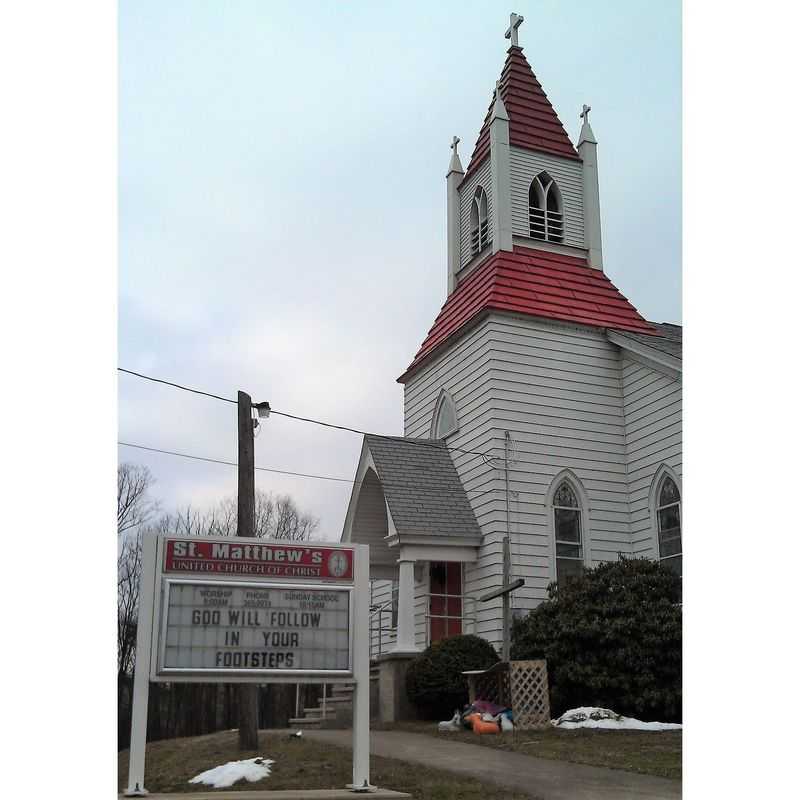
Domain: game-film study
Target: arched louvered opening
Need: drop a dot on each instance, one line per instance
(546, 213)
(479, 221)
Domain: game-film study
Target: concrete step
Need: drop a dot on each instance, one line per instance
(338, 701)
(306, 723)
(317, 712)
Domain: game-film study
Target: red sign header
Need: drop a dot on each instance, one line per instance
(208, 556)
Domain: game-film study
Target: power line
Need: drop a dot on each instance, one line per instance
(233, 463)
(358, 431)
(176, 385)
(267, 469)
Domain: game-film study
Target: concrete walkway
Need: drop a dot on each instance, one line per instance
(278, 794)
(539, 777)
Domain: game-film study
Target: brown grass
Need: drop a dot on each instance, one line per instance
(299, 764)
(645, 752)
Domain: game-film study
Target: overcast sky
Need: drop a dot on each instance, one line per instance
(282, 206)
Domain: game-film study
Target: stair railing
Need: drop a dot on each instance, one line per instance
(377, 611)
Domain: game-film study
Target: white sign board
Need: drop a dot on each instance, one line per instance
(227, 626)
(231, 610)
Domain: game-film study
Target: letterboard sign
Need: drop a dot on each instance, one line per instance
(239, 607)
(219, 626)
(246, 610)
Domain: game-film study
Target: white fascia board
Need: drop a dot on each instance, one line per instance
(364, 463)
(446, 540)
(432, 539)
(668, 364)
(438, 552)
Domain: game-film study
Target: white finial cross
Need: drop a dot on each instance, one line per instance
(511, 33)
(454, 145)
(585, 113)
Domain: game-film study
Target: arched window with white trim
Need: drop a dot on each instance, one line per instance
(445, 418)
(568, 532)
(668, 521)
(545, 209)
(479, 221)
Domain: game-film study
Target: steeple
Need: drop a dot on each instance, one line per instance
(533, 122)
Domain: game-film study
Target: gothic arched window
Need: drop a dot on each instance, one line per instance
(445, 419)
(544, 206)
(668, 514)
(567, 525)
(479, 221)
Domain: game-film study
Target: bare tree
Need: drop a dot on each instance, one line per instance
(135, 509)
(290, 523)
(134, 506)
(129, 571)
(275, 518)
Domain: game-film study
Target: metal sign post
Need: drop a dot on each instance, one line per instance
(248, 610)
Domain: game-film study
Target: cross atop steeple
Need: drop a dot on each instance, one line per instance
(511, 33)
(454, 145)
(585, 113)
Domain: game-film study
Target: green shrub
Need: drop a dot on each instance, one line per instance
(612, 638)
(434, 682)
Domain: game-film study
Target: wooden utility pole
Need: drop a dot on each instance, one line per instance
(245, 526)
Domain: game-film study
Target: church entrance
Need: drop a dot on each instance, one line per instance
(445, 608)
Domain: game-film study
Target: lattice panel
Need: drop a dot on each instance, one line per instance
(492, 686)
(530, 697)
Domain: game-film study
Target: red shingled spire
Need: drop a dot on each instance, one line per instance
(534, 283)
(533, 122)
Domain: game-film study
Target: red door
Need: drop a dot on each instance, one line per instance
(445, 605)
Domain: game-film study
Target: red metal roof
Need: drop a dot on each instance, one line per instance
(537, 283)
(533, 122)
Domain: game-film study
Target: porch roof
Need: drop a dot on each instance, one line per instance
(422, 488)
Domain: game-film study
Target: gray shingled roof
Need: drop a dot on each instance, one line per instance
(422, 487)
(670, 341)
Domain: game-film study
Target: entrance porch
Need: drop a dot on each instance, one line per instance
(408, 504)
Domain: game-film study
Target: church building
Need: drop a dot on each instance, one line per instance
(542, 411)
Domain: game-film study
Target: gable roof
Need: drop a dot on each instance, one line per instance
(669, 342)
(421, 487)
(538, 283)
(532, 121)
(665, 348)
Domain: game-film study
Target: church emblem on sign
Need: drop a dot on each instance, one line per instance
(338, 564)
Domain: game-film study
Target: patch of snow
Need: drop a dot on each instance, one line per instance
(251, 769)
(604, 718)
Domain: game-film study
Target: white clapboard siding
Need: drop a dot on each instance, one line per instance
(568, 174)
(652, 403)
(557, 389)
(481, 177)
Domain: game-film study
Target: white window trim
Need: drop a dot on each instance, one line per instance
(583, 500)
(655, 485)
(444, 397)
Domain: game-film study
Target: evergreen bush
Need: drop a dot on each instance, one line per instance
(612, 638)
(434, 682)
